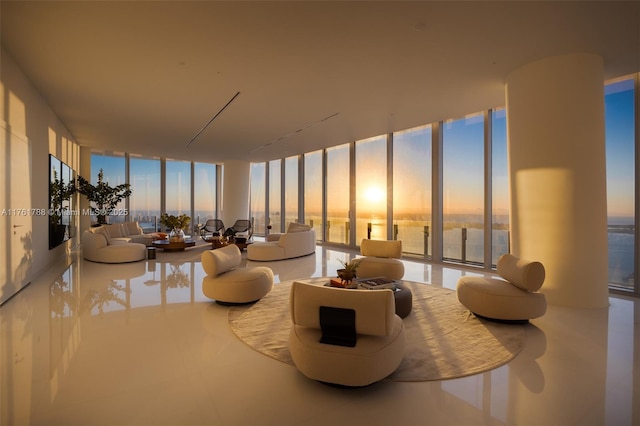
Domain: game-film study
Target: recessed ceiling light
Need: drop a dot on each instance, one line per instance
(420, 26)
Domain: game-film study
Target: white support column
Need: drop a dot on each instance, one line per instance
(557, 175)
(235, 191)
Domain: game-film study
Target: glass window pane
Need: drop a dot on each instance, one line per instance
(178, 188)
(412, 189)
(205, 192)
(620, 139)
(290, 191)
(371, 189)
(258, 200)
(144, 205)
(275, 195)
(313, 191)
(65, 179)
(500, 186)
(113, 171)
(463, 189)
(338, 194)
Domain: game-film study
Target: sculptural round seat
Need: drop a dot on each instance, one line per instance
(342, 337)
(227, 283)
(498, 299)
(513, 297)
(381, 259)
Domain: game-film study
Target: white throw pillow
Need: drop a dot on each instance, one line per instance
(103, 231)
(115, 230)
(133, 228)
(219, 261)
(525, 274)
(298, 227)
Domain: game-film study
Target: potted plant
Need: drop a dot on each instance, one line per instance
(104, 197)
(348, 271)
(176, 224)
(59, 192)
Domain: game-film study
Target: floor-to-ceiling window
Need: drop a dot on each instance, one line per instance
(499, 186)
(178, 188)
(204, 190)
(338, 189)
(371, 189)
(313, 191)
(290, 191)
(412, 189)
(463, 189)
(144, 202)
(275, 196)
(145, 175)
(354, 187)
(620, 125)
(258, 198)
(113, 168)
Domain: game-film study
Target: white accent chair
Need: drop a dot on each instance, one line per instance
(227, 283)
(513, 297)
(97, 246)
(345, 337)
(299, 240)
(381, 259)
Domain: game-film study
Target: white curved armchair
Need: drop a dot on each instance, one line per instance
(345, 337)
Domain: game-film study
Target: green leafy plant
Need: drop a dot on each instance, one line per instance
(351, 266)
(175, 222)
(348, 273)
(104, 197)
(59, 192)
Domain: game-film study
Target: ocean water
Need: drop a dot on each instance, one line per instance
(416, 238)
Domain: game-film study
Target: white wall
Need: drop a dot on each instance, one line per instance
(30, 132)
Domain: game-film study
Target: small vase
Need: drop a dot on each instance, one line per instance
(176, 236)
(346, 276)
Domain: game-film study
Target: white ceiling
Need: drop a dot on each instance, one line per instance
(145, 77)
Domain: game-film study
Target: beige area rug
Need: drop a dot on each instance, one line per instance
(444, 340)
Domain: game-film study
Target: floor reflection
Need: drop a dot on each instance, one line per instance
(93, 341)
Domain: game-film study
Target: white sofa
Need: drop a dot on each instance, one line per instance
(98, 246)
(299, 240)
(129, 232)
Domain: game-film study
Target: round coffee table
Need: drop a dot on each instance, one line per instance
(167, 245)
(402, 295)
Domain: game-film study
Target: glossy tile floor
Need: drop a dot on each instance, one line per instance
(138, 344)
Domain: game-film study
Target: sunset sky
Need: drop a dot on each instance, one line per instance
(462, 169)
